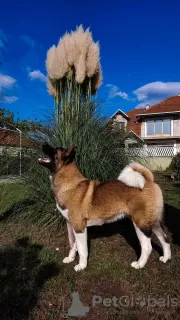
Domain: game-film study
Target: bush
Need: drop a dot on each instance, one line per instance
(175, 163)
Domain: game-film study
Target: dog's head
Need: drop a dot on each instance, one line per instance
(57, 157)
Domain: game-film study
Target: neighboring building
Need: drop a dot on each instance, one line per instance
(160, 124)
(158, 127)
(120, 120)
(10, 142)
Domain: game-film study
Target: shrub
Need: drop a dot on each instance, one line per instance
(175, 163)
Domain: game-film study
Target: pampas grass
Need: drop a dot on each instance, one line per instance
(51, 63)
(92, 59)
(74, 76)
(74, 73)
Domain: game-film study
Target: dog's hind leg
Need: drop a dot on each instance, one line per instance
(144, 237)
(82, 247)
(73, 245)
(163, 239)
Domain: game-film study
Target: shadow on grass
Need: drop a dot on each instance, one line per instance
(22, 276)
(123, 227)
(15, 209)
(126, 229)
(172, 221)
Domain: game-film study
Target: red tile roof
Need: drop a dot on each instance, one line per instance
(13, 139)
(168, 105)
(131, 124)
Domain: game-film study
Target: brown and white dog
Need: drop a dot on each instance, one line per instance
(85, 202)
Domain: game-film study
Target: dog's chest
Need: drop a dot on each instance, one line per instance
(64, 212)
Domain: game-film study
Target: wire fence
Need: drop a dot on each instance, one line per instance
(12, 163)
(147, 152)
(15, 152)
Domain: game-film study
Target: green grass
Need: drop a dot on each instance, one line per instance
(12, 194)
(34, 282)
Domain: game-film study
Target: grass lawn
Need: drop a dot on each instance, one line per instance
(35, 284)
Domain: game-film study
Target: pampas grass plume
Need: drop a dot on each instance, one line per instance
(81, 69)
(62, 62)
(92, 59)
(51, 63)
(51, 87)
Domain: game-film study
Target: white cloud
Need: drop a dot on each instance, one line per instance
(150, 102)
(155, 92)
(37, 75)
(114, 92)
(7, 99)
(6, 81)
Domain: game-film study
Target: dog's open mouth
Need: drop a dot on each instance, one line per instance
(44, 160)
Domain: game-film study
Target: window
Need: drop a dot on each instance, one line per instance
(159, 127)
(166, 126)
(150, 127)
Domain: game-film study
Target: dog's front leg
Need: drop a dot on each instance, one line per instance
(73, 245)
(82, 247)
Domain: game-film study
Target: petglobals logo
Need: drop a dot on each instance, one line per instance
(129, 302)
(79, 309)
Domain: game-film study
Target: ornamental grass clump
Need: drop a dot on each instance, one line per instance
(73, 78)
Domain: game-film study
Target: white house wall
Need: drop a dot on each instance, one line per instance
(120, 118)
(176, 127)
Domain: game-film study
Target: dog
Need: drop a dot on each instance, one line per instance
(85, 203)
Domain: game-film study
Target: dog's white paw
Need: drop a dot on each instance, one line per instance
(136, 265)
(68, 259)
(79, 267)
(164, 259)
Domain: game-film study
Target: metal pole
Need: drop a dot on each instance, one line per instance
(20, 151)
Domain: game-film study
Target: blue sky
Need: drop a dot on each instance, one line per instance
(140, 51)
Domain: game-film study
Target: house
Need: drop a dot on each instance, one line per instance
(10, 142)
(160, 124)
(158, 127)
(125, 121)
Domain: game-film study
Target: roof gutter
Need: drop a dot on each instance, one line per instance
(156, 113)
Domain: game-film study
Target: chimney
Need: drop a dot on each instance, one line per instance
(147, 106)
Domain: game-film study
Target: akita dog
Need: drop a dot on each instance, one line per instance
(85, 202)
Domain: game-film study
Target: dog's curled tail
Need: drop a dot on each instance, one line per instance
(135, 175)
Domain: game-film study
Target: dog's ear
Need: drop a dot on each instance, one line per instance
(69, 155)
(48, 150)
